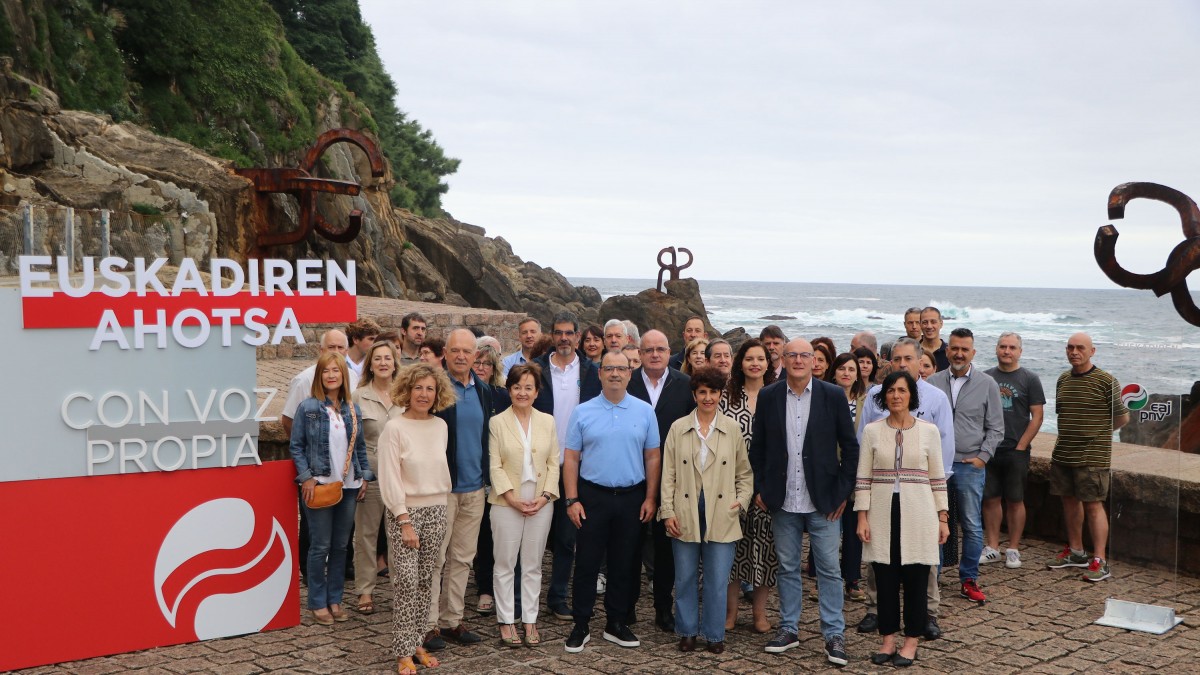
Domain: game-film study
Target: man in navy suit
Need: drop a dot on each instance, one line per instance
(669, 392)
(803, 482)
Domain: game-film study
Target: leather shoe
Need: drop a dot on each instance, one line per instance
(932, 630)
(902, 662)
(687, 644)
(716, 647)
(433, 641)
(869, 623)
(880, 658)
(664, 620)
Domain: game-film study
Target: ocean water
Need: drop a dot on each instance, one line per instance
(1139, 338)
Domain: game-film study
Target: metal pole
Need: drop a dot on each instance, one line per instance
(69, 238)
(105, 232)
(27, 221)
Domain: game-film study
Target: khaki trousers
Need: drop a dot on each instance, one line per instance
(464, 513)
(367, 519)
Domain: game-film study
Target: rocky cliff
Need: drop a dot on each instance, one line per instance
(162, 190)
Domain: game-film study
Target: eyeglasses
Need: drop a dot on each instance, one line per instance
(798, 355)
(619, 369)
(655, 350)
(564, 333)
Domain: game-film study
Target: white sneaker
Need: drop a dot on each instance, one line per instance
(989, 555)
(601, 584)
(1012, 558)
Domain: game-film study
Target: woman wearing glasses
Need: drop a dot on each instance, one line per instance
(900, 496)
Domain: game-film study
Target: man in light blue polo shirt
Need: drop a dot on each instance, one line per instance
(530, 333)
(610, 484)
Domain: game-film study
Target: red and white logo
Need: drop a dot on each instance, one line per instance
(223, 569)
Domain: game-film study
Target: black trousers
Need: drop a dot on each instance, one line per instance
(613, 527)
(888, 580)
(662, 568)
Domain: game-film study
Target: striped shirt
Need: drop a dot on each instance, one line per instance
(1086, 405)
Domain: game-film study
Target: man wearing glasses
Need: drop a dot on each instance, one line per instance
(610, 486)
(567, 381)
(802, 480)
(669, 392)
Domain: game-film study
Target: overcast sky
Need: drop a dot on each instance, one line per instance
(804, 141)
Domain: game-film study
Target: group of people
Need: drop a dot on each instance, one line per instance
(705, 467)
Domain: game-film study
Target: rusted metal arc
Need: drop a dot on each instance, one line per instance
(335, 136)
(1106, 255)
(1189, 213)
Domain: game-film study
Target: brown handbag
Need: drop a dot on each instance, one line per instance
(330, 494)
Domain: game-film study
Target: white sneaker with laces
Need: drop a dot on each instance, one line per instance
(1012, 558)
(989, 555)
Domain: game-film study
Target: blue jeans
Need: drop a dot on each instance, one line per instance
(824, 538)
(690, 618)
(967, 485)
(328, 533)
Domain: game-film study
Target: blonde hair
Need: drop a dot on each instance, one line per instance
(410, 375)
(368, 375)
(698, 343)
(318, 386)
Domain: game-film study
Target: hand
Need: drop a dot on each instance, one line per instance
(307, 488)
(759, 503)
(531, 507)
(864, 531)
(576, 513)
(511, 498)
(943, 532)
(408, 536)
(672, 526)
(735, 506)
(648, 509)
(362, 493)
(977, 463)
(837, 513)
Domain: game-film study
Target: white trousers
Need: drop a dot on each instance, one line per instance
(515, 534)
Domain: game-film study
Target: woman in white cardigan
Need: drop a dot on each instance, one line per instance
(523, 446)
(900, 496)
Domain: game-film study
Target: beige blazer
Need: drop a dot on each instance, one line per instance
(726, 478)
(507, 454)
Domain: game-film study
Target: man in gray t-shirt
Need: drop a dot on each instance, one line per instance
(1022, 399)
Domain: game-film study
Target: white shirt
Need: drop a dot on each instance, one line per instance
(356, 369)
(797, 499)
(528, 474)
(565, 384)
(300, 388)
(956, 385)
(339, 446)
(655, 390)
(703, 440)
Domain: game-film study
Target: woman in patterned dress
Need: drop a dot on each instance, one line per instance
(755, 561)
(846, 375)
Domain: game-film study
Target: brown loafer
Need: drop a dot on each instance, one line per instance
(687, 644)
(716, 647)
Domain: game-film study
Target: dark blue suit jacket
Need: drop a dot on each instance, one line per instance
(450, 415)
(830, 480)
(589, 383)
(675, 401)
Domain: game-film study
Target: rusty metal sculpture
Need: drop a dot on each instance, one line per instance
(301, 184)
(1182, 261)
(673, 267)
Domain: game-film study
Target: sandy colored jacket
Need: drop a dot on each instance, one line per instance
(726, 478)
(922, 491)
(507, 454)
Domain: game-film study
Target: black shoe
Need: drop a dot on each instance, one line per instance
(578, 638)
(901, 662)
(835, 650)
(631, 618)
(461, 635)
(932, 630)
(619, 634)
(783, 641)
(880, 658)
(869, 623)
(433, 641)
(562, 612)
(687, 644)
(664, 620)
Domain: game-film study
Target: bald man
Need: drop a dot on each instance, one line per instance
(1088, 403)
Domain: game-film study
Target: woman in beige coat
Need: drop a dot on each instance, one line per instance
(523, 446)
(706, 484)
(900, 496)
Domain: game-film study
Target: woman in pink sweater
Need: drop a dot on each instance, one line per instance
(414, 480)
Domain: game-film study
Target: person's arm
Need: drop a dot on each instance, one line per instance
(501, 485)
(653, 460)
(848, 442)
(937, 483)
(942, 415)
(993, 423)
(743, 479)
(297, 446)
(287, 425)
(360, 450)
(757, 451)
(552, 467)
(1037, 415)
(571, 487)
(666, 490)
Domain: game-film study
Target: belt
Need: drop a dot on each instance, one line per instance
(613, 490)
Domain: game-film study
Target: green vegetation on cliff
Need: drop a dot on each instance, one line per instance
(248, 80)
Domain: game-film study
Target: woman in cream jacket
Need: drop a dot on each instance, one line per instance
(523, 446)
(706, 484)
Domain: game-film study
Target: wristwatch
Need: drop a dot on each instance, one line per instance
(569, 501)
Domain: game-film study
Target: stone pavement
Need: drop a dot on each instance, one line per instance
(1036, 620)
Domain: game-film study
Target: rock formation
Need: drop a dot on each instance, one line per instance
(663, 311)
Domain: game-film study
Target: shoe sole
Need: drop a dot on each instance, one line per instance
(576, 650)
(1012, 566)
(989, 561)
(563, 617)
(1093, 579)
(622, 643)
(1059, 566)
(836, 660)
(780, 650)
(967, 597)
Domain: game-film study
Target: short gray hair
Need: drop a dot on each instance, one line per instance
(616, 322)
(1009, 333)
(631, 330)
(907, 341)
(867, 339)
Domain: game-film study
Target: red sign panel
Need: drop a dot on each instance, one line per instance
(64, 311)
(127, 562)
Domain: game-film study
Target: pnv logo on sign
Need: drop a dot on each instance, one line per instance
(133, 435)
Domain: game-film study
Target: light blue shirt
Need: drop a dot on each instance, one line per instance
(797, 499)
(935, 408)
(511, 361)
(611, 439)
(468, 418)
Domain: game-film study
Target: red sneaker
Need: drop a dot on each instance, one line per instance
(970, 590)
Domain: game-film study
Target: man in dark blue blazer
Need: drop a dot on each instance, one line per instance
(803, 481)
(567, 381)
(669, 392)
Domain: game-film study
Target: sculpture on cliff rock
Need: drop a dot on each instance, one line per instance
(673, 267)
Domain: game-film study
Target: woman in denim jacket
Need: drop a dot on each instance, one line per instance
(321, 433)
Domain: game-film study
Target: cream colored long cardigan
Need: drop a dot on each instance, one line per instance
(922, 491)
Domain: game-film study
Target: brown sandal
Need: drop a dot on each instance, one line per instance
(366, 606)
(426, 659)
(532, 638)
(405, 666)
